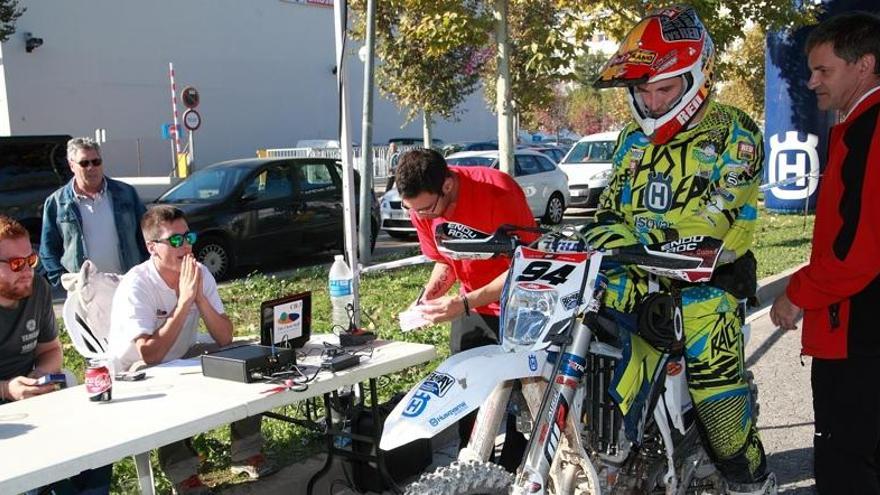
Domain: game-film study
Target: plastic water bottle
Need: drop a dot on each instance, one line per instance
(340, 292)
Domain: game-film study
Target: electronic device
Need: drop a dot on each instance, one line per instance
(131, 376)
(356, 338)
(52, 378)
(286, 321)
(247, 363)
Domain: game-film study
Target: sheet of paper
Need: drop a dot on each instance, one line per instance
(411, 319)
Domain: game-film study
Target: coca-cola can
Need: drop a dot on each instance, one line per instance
(99, 384)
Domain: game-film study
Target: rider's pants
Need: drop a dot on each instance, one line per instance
(715, 366)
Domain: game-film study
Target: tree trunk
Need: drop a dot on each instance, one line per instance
(426, 129)
(502, 91)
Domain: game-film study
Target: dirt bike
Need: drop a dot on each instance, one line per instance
(563, 353)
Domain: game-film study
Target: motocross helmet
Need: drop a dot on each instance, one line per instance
(669, 43)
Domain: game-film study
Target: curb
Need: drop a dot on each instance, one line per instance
(769, 288)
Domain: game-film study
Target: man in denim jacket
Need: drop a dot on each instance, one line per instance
(91, 217)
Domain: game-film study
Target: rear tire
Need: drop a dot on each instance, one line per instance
(463, 478)
(398, 235)
(555, 209)
(214, 253)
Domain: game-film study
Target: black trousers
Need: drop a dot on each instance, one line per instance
(478, 330)
(846, 406)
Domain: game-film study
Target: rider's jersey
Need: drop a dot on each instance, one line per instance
(702, 182)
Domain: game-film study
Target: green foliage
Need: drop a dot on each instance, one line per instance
(743, 85)
(9, 13)
(430, 52)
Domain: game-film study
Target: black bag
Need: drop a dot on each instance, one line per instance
(403, 462)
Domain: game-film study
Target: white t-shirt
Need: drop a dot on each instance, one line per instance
(142, 303)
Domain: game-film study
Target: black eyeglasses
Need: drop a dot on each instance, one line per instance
(176, 240)
(18, 264)
(95, 162)
(426, 210)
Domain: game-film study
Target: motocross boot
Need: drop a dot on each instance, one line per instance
(766, 487)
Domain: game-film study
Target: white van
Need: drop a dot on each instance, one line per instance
(588, 166)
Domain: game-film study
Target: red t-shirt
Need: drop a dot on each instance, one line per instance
(487, 199)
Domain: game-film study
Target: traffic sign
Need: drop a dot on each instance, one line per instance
(191, 119)
(190, 97)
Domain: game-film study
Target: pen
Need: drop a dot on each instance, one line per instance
(419, 299)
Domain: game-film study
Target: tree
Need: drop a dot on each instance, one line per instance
(9, 13)
(431, 53)
(743, 85)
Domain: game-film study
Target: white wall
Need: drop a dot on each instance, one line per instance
(263, 68)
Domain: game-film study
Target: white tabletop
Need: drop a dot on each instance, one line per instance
(57, 435)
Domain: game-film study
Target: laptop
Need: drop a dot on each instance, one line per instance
(286, 321)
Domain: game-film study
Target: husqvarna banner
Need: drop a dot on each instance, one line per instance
(795, 132)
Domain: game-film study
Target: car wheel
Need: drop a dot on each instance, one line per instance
(555, 209)
(214, 253)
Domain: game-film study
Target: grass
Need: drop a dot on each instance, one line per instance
(781, 242)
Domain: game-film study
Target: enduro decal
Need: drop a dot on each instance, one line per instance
(573, 366)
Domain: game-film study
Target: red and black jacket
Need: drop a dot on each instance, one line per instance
(840, 288)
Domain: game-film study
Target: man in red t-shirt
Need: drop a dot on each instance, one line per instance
(479, 197)
(484, 199)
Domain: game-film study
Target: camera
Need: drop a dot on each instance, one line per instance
(30, 42)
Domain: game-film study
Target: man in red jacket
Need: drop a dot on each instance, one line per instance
(839, 290)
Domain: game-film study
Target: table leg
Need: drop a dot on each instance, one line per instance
(144, 473)
(328, 418)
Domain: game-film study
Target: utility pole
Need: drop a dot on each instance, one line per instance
(365, 220)
(506, 142)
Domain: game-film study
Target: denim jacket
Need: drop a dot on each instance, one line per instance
(62, 248)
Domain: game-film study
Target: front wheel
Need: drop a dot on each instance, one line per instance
(463, 478)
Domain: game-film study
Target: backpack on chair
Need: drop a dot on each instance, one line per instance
(87, 308)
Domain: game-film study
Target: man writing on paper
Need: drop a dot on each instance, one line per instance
(481, 198)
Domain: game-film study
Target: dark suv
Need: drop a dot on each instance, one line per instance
(31, 168)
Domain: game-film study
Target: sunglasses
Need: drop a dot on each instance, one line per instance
(176, 240)
(426, 210)
(18, 264)
(96, 162)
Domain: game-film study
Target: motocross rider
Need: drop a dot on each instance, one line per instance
(687, 166)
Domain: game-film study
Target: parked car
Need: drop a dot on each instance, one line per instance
(31, 168)
(545, 187)
(451, 148)
(252, 210)
(588, 165)
(414, 141)
(554, 152)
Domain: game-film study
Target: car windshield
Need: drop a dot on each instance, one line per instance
(471, 161)
(205, 185)
(590, 151)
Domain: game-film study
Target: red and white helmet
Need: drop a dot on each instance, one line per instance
(670, 42)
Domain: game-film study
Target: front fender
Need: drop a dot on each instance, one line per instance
(458, 386)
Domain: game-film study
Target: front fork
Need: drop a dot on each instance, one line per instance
(553, 414)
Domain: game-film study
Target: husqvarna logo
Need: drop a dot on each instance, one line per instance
(658, 193)
(791, 158)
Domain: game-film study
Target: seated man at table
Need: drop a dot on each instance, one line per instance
(154, 319)
(29, 345)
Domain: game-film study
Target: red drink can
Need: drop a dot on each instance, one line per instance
(99, 385)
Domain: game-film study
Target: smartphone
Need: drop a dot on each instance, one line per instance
(131, 376)
(52, 378)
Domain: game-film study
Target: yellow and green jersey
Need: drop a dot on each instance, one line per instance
(702, 182)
